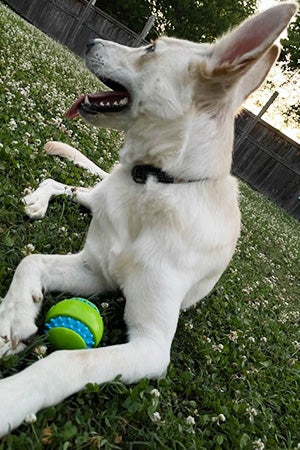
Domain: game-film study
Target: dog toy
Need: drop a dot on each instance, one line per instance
(74, 323)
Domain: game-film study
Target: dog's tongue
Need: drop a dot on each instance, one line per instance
(102, 100)
(73, 111)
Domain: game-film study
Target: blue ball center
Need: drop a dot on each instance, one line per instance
(74, 325)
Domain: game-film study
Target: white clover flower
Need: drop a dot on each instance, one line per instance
(190, 420)
(263, 339)
(30, 418)
(258, 445)
(28, 249)
(233, 336)
(155, 417)
(189, 325)
(208, 360)
(12, 124)
(251, 339)
(296, 344)
(220, 418)
(40, 351)
(218, 348)
(104, 305)
(57, 121)
(252, 412)
(155, 393)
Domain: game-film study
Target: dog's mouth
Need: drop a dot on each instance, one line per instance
(113, 101)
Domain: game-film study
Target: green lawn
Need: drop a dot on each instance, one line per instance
(234, 381)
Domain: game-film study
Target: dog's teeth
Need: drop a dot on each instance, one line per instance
(86, 100)
(101, 104)
(124, 101)
(115, 104)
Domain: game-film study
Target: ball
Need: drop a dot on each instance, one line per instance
(74, 323)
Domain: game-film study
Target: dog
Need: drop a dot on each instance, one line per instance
(164, 223)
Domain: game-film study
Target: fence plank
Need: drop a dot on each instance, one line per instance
(59, 18)
(269, 161)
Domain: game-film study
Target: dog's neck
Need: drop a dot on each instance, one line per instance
(180, 149)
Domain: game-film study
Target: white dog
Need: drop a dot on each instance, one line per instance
(165, 222)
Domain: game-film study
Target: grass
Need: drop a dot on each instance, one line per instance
(234, 379)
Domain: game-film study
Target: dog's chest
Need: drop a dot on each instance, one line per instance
(125, 216)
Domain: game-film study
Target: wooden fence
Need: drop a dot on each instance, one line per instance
(60, 18)
(268, 160)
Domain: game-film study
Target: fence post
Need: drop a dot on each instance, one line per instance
(247, 130)
(81, 19)
(145, 31)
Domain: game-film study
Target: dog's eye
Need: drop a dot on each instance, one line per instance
(150, 48)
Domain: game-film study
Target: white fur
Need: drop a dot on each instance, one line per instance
(164, 245)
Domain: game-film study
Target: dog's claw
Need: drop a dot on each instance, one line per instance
(37, 296)
(10, 347)
(14, 343)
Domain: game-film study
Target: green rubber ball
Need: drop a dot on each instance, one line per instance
(74, 323)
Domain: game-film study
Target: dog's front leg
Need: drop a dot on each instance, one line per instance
(151, 314)
(35, 275)
(49, 381)
(36, 202)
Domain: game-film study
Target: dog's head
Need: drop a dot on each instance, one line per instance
(144, 82)
(167, 77)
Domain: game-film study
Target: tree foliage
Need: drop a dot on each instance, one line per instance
(195, 20)
(291, 45)
(200, 20)
(132, 13)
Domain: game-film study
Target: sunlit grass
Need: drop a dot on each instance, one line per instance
(234, 378)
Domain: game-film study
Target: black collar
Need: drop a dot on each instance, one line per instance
(140, 174)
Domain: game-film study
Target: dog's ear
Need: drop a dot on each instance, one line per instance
(248, 52)
(257, 73)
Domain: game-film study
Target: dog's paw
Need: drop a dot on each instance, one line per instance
(36, 202)
(15, 327)
(35, 205)
(16, 397)
(35, 210)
